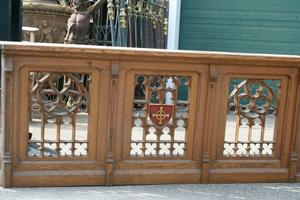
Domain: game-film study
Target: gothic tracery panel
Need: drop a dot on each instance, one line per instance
(251, 117)
(160, 116)
(58, 114)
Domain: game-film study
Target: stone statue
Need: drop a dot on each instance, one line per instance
(79, 21)
(46, 33)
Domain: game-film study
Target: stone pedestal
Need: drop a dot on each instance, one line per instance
(49, 17)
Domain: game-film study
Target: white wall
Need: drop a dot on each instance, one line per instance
(174, 24)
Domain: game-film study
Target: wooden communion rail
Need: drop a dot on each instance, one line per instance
(82, 115)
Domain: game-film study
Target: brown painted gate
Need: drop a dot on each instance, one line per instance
(104, 116)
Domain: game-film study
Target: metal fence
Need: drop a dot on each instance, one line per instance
(131, 23)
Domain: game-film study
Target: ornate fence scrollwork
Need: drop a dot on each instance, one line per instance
(131, 23)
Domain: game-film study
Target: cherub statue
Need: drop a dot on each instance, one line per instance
(79, 21)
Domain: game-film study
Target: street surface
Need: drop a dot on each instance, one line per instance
(277, 191)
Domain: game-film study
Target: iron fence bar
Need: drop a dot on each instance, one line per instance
(96, 33)
(147, 33)
(165, 41)
(122, 23)
(130, 30)
(154, 37)
(146, 27)
(129, 10)
(140, 12)
(144, 32)
(111, 15)
(135, 31)
(141, 31)
(106, 32)
(117, 23)
(165, 28)
(112, 33)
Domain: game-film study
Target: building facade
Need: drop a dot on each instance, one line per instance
(254, 26)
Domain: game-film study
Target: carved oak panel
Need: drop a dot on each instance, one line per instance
(251, 117)
(59, 112)
(160, 116)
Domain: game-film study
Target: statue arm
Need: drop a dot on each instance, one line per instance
(96, 5)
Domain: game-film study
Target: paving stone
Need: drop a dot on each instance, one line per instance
(275, 191)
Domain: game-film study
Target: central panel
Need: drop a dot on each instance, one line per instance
(160, 116)
(159, 125)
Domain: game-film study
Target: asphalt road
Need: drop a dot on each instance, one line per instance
(156, 192)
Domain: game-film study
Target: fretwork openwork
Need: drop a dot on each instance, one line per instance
(58, 125)
(160, 116)
(251, 117)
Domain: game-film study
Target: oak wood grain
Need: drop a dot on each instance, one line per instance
(111, 93)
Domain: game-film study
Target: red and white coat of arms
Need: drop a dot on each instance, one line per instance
(160, 114)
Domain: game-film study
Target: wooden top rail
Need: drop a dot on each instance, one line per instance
(118, 53)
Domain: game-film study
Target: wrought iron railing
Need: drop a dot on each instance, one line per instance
(131, 23)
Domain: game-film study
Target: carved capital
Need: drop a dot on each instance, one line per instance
(110, 157)
(6, 159)
(205, 158)
(213, 74)
(7, 63)
(115, 68)
(6, 170)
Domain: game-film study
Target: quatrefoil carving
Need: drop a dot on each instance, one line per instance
(253, 102)
(56, 98)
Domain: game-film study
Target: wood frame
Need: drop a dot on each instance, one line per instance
(112, 86)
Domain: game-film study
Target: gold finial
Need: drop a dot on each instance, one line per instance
(166, 26)
(110, 10)
(123, 21)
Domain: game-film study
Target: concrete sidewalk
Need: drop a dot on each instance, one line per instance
(156, 192)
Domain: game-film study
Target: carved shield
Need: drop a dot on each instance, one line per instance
(160, 114)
